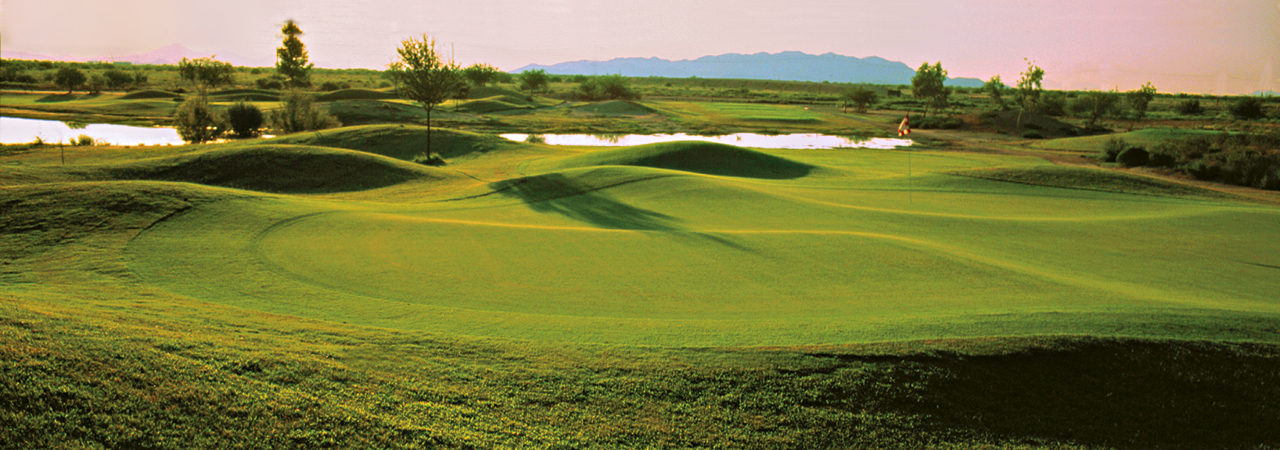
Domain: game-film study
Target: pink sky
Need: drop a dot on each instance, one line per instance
(1220, 47)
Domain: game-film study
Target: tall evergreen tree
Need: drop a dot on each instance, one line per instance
(291, 59)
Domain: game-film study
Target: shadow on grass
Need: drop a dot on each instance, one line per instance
(559, 194)
(1114, 394)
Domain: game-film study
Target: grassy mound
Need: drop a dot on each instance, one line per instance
(355, 94)
(147, 94)
(1091, 179)
(1147, 137)
(700, 157)
(359, 112)
(280, 168)
(1046, 126)
(494, 91)
(616, 108)
(400, 141)
(494, 104)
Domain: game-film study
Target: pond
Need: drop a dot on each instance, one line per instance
(20, 131)
(791, 141)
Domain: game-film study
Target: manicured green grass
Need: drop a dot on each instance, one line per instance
(315, 290)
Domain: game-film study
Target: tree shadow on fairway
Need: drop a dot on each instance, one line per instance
(558, 194)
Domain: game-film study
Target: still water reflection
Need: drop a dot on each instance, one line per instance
(19, 131)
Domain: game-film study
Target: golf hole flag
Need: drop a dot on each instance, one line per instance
(905, 128)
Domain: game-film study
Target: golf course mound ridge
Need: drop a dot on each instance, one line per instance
(1068, 177)
(149, 94)
(616, 108)
(699, 157)
(400, 141)
(281, 168)
(492, 104)
(354, 94)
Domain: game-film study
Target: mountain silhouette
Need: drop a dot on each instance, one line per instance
(794, 66)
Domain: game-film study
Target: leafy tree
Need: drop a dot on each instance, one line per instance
(1030, 86)
(608, 87)
(299, 113)
(197, 122)
(96, 83)
(1141, 98)
(1096, 105)
(927, 85)
(291, 59)
(245, 119)
(205, 72)
(995, 89)
(118, 79)
(480, 74)
(70, 78)
(533, 79)
(139, 79)
(424, 76)
(859, 97)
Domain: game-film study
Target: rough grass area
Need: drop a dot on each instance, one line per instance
(699, 157)
(149, 94)
(616, 108)
(1094, 179)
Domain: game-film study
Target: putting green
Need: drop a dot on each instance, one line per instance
(654, 256)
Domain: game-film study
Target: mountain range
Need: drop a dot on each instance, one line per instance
(169, 54)
(794, 66)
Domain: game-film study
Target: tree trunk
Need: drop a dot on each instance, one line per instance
(428, 131)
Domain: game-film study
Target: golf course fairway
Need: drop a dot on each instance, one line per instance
(676, 248)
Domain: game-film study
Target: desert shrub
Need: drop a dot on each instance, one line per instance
(583, 79)
(272, 83)
(299, 113)
(118, 79)
(1053, 104)
(535, 139)
(96, 83)
(245, 119)
(1247, 108)
(608, 87)
(197, 122)
(1161, 157)
(1111, 150)
(255, 71)
(429, 159)
(937, 123)
(83, 140)
(1133, 157)
(1190, 107)
(329, 86)
(1240, 159)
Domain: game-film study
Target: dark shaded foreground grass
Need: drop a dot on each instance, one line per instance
(120, 382)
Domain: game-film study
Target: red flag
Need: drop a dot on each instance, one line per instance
(905, 128)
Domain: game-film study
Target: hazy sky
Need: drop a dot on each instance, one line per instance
(1205, 46)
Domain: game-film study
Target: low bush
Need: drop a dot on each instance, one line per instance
(937, 123)
(245, 119)
(607, 87)
(429, 159)
(197, 122)
(1111, 150)
(1245, 159)
(83, 140)
(299, 113)
(269, 83)
(1247, 108)
(1133, 157)
(1032, 134)
(1190, 107)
